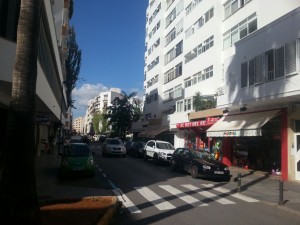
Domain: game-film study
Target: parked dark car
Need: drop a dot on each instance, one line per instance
(129, 145)
(199, 163)
(138, 149)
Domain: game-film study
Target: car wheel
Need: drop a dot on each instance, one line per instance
(123, 156)
(173, 165)
(194, 171)
(145, 157)
(155, 159)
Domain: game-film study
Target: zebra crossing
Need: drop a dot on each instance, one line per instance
(202, 196)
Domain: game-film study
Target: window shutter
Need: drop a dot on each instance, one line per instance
(251, 72)
(290, 57)
(258, 69)
(279, 62)
(244, 74)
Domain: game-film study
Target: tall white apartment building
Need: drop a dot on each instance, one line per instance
(99, 104)
(245, 55)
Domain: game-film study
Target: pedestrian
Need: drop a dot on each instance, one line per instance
(50, 144)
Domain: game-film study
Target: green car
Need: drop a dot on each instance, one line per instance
(77, 159)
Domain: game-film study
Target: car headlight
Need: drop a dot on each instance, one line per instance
(226, 168)
(162, 153)
(206, 167)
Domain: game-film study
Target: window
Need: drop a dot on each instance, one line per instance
(208, 72)
(174, 52)
(179, 106)
(187, 82)
(187, 104)
(231, 6)
(178, 91)
(239, 31)
(269, 65)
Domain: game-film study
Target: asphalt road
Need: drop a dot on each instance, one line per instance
(155, 195)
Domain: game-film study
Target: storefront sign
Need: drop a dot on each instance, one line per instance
(43, 118)
(208, 122)
(234, 133)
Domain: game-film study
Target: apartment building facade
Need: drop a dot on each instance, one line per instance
(78, 124)
(244, 54)
(50, 90)
(99, 104)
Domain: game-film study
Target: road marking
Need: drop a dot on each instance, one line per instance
(125, 201)
(155, 199)
(112, 184)
(235, 195)
(207, 194)
(184, 197)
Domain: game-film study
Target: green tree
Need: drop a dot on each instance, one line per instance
(96, 121)
(120, 114)
(18, 196)
(201, 103)
(72, 64)
(104, 123)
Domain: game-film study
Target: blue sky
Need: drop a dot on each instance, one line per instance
(111, 35)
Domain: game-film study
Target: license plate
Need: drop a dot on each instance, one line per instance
(78, 168)
(219, 172)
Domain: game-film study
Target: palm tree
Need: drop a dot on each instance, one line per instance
(18, 197)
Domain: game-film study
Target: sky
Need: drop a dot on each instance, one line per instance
(111, 36)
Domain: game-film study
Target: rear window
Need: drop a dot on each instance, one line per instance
(74, 150)
(164, 146)
(114, 142)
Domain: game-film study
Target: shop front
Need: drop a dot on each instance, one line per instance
(194, 133)
(254, 140)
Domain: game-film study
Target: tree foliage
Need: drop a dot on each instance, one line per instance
(121, 114)
(203, 102)
(72, 64)
(96, 121)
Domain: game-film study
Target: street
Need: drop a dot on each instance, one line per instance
(155, 195)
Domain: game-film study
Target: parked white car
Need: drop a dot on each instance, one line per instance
(159, 151)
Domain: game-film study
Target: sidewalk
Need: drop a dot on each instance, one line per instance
(50, 189)
(266, 188)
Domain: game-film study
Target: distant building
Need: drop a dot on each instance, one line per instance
(78, 124)
(99, 104)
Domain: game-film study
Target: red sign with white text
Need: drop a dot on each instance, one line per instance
(200, 123)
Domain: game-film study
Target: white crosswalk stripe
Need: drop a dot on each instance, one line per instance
(155, 199)
(235, 195)
(125, 200)
(184, 197)
(207, 194)
(180, 192)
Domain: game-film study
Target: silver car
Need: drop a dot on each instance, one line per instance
(113, 146)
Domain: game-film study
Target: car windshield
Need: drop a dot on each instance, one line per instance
(114, 142)
(77, 150)
(201, 154)
(165, 146)
(76, 140)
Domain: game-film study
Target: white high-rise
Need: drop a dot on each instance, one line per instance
(242, 53)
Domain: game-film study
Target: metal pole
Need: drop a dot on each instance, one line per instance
(281, 192)
(239, 182)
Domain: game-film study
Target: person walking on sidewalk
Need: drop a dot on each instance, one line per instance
(50, 144)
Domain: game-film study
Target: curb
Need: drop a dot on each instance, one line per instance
(110, 212)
